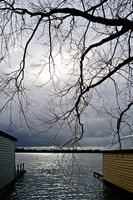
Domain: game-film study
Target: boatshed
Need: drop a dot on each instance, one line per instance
(7, 159)
(118, 168)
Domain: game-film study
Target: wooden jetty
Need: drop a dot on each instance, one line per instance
(97, 175)
(19, 170)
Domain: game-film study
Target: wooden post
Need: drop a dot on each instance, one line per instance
(23, 167)
(17, 170)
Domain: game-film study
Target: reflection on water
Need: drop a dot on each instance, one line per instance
(61, 177)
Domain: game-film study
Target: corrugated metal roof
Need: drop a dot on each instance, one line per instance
(3, 134)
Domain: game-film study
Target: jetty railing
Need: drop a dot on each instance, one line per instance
(19, 170)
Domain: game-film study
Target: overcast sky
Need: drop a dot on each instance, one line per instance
(97, 132)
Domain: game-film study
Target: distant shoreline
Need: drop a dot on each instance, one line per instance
(22, 150)
(25, 150)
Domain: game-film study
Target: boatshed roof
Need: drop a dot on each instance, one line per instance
(3, 134)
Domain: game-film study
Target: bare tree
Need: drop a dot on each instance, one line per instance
(94, 41)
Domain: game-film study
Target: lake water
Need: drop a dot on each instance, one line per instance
(61, 177)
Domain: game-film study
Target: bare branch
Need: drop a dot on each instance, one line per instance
(119, 121)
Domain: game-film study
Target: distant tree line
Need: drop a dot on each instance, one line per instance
(19, 150)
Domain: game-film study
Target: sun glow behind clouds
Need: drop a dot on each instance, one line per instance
(44, 72)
